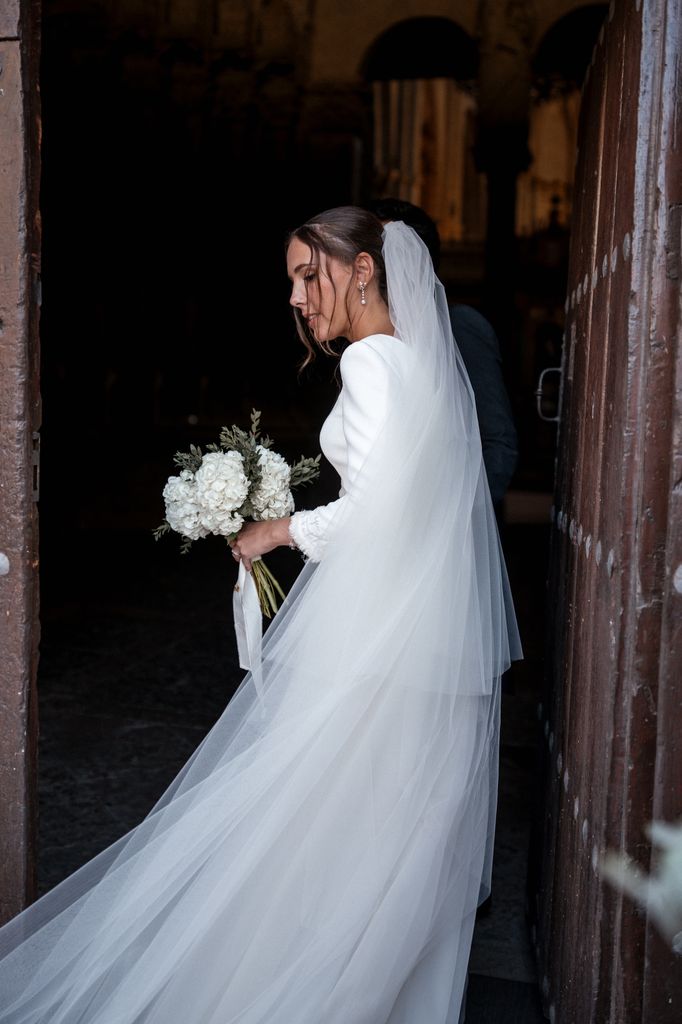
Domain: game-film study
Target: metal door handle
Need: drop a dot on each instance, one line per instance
(539, 394)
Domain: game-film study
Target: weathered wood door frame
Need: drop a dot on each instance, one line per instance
(19, 451)
(613, 736)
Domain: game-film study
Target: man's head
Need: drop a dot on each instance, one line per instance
(399, 209)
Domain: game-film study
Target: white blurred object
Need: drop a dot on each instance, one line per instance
(660, 893)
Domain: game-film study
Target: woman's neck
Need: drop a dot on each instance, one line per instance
(371, 320)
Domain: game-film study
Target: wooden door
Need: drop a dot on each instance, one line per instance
(613, 717)
(19, 423)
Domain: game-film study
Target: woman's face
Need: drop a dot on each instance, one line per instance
(319, 291)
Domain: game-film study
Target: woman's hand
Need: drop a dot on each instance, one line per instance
(255, 539)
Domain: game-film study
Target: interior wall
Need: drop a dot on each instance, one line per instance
(359, 24)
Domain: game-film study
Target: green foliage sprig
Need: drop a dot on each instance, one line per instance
(305, 471)
(190, 460)
(160, 530)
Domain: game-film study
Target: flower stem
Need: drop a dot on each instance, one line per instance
(267, 588)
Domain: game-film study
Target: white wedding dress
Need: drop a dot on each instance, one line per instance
(320, 858)
(351, 430)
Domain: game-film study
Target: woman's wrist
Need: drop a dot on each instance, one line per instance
(280, 531)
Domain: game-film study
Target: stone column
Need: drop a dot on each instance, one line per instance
(506, 32)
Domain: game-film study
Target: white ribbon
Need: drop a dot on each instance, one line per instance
(248, 625)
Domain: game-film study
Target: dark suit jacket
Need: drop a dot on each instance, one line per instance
(480, 350)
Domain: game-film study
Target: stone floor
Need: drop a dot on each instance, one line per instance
(137, 662)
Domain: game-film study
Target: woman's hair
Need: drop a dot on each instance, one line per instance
(341, 233)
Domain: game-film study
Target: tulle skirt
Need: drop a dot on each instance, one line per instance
(319, 859)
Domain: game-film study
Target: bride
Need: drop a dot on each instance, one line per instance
(320, 857)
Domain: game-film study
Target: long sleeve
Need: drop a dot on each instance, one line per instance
(480, 351)
(309, 530)
(363, 406)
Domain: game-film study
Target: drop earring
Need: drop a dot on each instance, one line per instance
(363, 300)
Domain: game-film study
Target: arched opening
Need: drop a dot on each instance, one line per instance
(422, 71)
(422, 48)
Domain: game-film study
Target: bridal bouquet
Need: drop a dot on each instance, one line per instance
(237, 479)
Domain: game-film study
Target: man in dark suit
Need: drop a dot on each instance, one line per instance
(480, 351)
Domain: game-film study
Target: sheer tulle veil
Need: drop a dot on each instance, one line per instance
(321, 855)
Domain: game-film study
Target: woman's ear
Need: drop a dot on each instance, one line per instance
(364, 267)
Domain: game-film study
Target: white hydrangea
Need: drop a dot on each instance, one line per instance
(272, 499)
(222, 488)
(182, 510)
